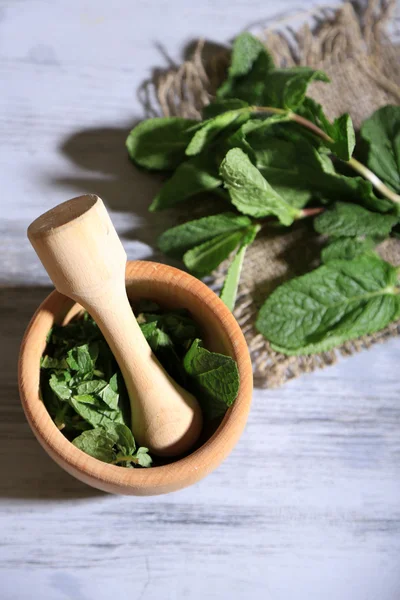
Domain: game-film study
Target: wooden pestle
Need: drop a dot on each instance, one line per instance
(83, 255)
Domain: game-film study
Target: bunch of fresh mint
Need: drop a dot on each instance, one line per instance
(85, 394)
(270, 151)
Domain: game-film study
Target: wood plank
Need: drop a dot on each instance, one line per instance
(307, 505)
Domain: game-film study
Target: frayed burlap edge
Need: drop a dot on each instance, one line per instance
(365, 73)
(339, 36)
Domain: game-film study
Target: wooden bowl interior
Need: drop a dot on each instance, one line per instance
(170, 288)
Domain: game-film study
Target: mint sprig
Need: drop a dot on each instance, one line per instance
(271, 153)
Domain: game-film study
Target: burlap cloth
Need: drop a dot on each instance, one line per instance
(364, 68)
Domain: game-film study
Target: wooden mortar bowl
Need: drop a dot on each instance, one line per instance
(171, 288)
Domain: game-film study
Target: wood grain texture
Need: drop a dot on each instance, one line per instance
(307, 505)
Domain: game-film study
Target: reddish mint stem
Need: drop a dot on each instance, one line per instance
(311, 212)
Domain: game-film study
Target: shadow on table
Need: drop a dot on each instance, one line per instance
(25, 469)
(108, 172)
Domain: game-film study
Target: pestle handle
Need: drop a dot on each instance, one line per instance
(83, 255)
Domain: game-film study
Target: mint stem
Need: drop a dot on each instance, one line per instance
(376, 182)
(311, 212)
(303, 214)
(353, 162)
(124, 459)
(311, 126)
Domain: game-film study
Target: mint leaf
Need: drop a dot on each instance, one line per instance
(367, 196)
(341, 130)
(192, 177)
(170, 336)
(160, 143)
(239, 138)
(253, 78)
(286, 88)
(337, 302)
(148, 329)
(113, 444)
(82, 358)
(177, 240)
(292, 168)
(86, 399)
(60, 386)
(216, 378)
(211, 128)
(51, 401)
(80, 331)
(367, 319)
(166, 336)
(246, 49)
(220, 106)
(346, 219)
(122, 437)
(114, 384)
(142, 457)
(381, 133)
(250, 88)
(250, 192)
(159, 339)
(90, 387)
(231, 283)
(49, 362)
(203, 259)
(96, 443)
(250, 62)
(95, 411)
(347, 248)
(109, 394)
(179, 326)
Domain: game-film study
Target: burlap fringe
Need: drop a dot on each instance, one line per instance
(185, 90)
(339, 41)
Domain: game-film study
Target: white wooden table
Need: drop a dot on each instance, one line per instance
(307, 506)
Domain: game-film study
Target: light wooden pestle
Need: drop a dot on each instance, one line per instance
(83, 255)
